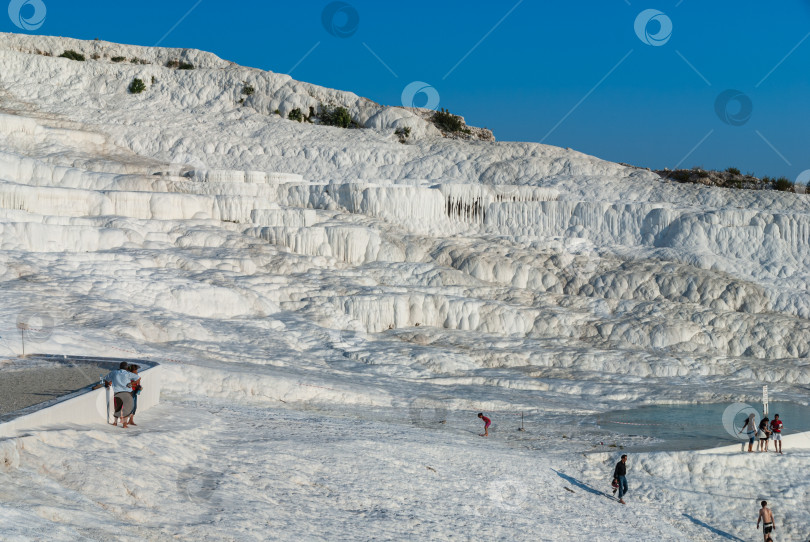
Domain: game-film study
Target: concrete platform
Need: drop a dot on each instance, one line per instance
(43, 390)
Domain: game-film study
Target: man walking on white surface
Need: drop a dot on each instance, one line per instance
(122, 382)
(620, 475)
(766, 517)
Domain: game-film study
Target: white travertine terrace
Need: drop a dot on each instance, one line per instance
(293, 266)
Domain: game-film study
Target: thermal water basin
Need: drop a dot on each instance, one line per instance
(697, 426)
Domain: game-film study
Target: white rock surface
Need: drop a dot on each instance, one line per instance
(322, 298)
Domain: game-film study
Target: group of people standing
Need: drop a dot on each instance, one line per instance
(126, 385)
(767, 430)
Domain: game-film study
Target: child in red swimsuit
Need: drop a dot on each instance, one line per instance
(487, 421)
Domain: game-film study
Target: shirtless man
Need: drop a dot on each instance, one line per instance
(766, 517)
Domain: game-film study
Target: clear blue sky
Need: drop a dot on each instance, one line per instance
(527, 73)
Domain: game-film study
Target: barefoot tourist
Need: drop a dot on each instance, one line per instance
(776, 433)
(766, 517)
(122, 382)
(620, 475)
(487, 423)
(750, 429)
(764, 435)
(136, 389)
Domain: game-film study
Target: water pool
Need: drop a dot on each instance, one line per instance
(698, 426)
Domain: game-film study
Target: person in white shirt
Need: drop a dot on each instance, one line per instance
(122, 382)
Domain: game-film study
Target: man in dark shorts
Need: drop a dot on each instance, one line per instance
(766, 517)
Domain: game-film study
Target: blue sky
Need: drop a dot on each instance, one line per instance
(573, 74)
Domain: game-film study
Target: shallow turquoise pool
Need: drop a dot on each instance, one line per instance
(699, 426)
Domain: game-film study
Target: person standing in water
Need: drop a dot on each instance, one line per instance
(620, 475)
(487, 423)
(750, 429)
(776, 428)
(766, 517)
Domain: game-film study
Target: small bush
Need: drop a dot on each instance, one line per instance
(296, 115)
(447, 122)
(248, 90)
(95, 56)
(335, 116)
(681, 175)
(72, 55)
(403, 133)
(733, 171)
(154, 79)
(277, 112)
(783, 184)
(176, 64)
(136, 86)
(118, 58)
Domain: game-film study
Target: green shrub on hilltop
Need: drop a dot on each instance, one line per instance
(335, 116)
(176, 64)
(296, 115)
(448, 122)
(783, 184)
(72, 55)
(118, 58)
(733, 171)
(248, 90)
(136, 86)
